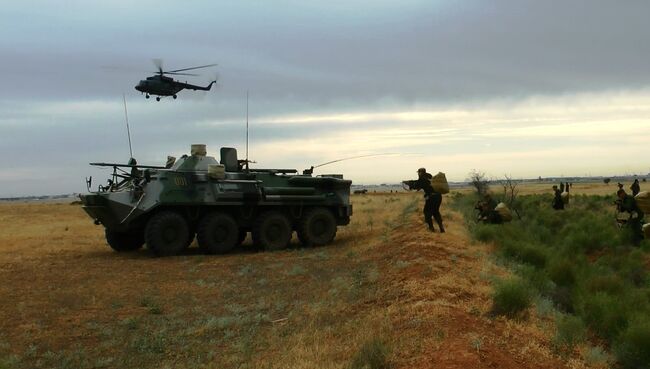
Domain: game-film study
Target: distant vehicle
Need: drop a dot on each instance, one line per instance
(162, 85)
(166, 207)
(360, 192)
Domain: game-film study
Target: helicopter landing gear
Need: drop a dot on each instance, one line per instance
(174, 96)
(146, 96)
(158, 98)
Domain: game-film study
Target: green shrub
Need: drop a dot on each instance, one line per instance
(609, 283)
(523, 252)
(562, 273)
(537, 278)
(570, 332)
(373, 354)
(486, 232)
(597, 357)
(511, 298)
(584, 264)
(563, 299)
(606, 315)
(632, 349)
(533, 256)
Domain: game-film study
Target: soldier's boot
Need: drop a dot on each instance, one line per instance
(430, 224)
(439, 221)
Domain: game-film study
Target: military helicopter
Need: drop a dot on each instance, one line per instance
(162, 85)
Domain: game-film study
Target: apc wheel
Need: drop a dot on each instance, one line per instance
(125, 241)
(218, 233)
(317, 227)
(166, 233)
(272, 230)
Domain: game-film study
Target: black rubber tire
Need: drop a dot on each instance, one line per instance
(272, 231)
(218, 233)
(166, 233)
(317, 227)
(125, 241)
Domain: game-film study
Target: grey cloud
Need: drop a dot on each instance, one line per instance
(294, 57)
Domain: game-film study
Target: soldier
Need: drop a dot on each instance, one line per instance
(635, 188)
(487, 213)
(432, 199)
(561, 187)
(558, 204)
(628, 204)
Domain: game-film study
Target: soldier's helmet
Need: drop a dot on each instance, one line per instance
(422, 170)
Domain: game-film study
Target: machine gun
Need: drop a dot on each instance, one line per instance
(122, 177)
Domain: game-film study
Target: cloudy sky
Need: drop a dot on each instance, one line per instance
(525, 88)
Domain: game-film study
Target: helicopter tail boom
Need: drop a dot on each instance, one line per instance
(200, 88)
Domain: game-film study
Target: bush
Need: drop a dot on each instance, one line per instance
(511, 298)
(526, 253)
(570, 332)
(580, 260)
(537, 278)
(372, 355)
(563, 299)
(533, 256)
(486, 232)
(633, 346)
(606, 315)
(562, 273)
(609, 283)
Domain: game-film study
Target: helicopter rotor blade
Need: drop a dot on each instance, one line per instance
(184, 69)
(180, 74)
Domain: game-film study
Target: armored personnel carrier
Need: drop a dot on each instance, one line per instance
(166, 207)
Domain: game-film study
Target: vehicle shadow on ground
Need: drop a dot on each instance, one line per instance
(247, 247)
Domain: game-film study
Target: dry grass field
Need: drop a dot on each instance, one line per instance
(386, 292)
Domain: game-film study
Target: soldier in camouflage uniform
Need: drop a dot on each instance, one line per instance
(628, 204)
(558, 204)
(432, 199)
(635, 187)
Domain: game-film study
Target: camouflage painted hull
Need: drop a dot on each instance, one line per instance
(188, 189)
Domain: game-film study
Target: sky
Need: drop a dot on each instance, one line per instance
(519, 88)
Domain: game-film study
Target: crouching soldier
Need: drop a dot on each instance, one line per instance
(628, 204)
(432, 199)
(487, 212)
(558, 204)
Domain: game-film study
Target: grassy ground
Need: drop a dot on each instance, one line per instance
(579, 263)
(386, 294)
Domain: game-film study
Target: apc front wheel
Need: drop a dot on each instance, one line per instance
(317, 227)
(218, 233)
(166, 233)
(272, 231)
(125, 241)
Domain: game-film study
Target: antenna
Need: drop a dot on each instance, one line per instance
(128, 130)
(246, 129)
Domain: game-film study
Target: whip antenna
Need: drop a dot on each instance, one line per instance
(246, 129)
(355, 157)
(128, 130)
